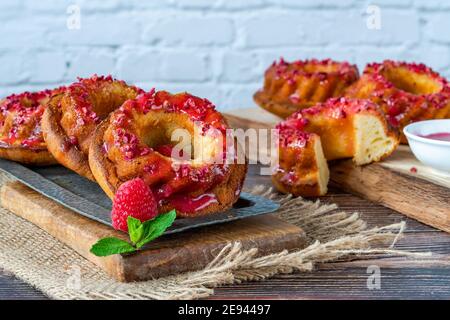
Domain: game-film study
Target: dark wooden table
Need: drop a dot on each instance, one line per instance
(399, 279)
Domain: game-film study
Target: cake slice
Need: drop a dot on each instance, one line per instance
(337, 129)
(302, 168)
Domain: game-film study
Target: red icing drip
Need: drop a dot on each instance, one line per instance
(171, 182)
(192, 204)
(165, 150)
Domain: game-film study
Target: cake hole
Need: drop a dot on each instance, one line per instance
(159, 135)
(163, 131)
(103, 104)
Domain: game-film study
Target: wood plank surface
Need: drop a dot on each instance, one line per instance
(401, 278)
(417, 198)
(172, 254)
(403, 161)
(251, 118)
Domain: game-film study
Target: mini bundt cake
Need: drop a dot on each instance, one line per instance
(21, 137)
(71, 117)
(406, 92)
(137, 141)
(302, 168)
(289, 87)
(348, 128)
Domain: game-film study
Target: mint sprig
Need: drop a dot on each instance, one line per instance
(139, 233)
(108, 246)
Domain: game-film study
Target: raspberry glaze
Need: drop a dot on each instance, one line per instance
(182, 186)
(71, 118)
(296, 132)
(289, 87)
(20, 119)
(336, 108)
(400, 106)
(441, 136)
(310, 68)
(82, 114)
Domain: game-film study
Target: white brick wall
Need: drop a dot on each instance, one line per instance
(214, 48)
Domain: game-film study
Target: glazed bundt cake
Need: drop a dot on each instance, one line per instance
(289, 87)
(71, 117)
(21, 137)
(406, 92)
(348, 128)
(302, 168)
(136, 140)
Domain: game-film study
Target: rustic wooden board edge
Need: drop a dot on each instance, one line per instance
(404, 161)
(255, 114)
(415, 198)
(370, 183)
(243, 123)
(60, 222)
(168, 255)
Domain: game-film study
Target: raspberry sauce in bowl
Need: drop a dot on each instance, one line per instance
(441, 136)
(430, 142)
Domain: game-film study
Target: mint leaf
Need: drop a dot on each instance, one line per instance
(108, 246)
(148, 228)
(140, 234)
(135, 229)
(156, 227)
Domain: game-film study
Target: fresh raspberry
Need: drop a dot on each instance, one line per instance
(133, 198)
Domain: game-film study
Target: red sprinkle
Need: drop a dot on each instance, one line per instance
(402, 106)
(171, 181)
(20, 118)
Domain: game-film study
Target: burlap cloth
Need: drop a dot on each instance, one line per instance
(34, 256)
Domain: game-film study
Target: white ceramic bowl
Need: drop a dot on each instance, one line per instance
(434, 153)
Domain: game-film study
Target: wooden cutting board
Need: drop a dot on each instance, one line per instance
(171, 254)
(400, 182)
